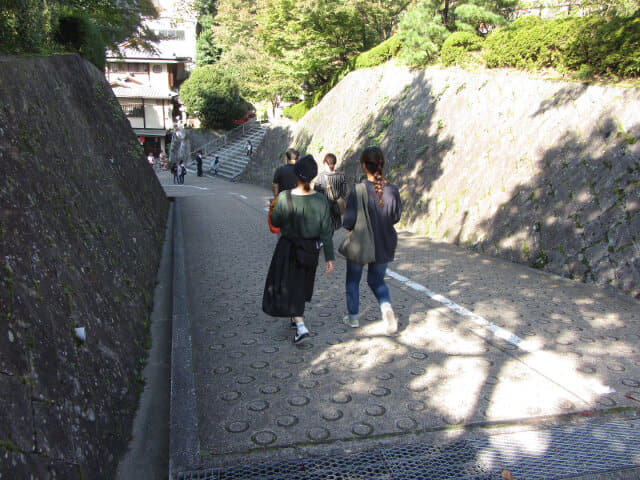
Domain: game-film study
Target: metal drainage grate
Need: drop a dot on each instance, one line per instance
(533, 455)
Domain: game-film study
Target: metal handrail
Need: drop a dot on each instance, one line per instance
(207, 148)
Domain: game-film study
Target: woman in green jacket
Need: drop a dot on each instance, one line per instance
(305, 226)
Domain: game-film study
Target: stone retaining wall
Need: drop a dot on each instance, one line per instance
(540, 172)
(81, 228)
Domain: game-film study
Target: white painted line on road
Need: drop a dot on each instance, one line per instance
(477, 319)
(499, 332)
(185, 186)
(238, 195)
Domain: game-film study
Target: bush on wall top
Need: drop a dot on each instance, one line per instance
(459, 48)
(608, 46)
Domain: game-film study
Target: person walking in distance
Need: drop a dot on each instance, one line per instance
(249, 148)
(174, 171)
(305, 226)
(332, 184)
(385, 209)
(199, 162)
(182, 171)
(216, 162)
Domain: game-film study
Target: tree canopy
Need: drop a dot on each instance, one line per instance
(213, 95)
(33, 26)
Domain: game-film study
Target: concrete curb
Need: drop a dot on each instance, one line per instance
(184, 441)
(146, 457)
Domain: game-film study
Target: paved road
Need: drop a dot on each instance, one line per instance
(486, 349)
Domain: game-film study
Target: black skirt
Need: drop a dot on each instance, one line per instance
(288, 285)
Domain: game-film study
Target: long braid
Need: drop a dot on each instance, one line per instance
(379, 185)
(373, 159)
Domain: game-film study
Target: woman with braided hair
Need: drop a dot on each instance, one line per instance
(385, 209)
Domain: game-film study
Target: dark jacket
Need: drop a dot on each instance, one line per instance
(383, 218)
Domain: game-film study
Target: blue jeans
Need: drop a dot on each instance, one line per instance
(375, 280)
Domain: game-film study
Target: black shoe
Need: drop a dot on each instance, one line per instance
(293, 323)
(300, 337)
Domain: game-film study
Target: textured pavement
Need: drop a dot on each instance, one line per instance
(481, 343)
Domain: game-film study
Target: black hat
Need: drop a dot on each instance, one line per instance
(306, 168)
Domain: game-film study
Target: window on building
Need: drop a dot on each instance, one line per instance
(170, 34)
(133, 109)
(157, 69)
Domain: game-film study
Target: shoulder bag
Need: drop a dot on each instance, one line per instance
(359, 245)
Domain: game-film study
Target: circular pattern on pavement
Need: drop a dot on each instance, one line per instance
(406, 423)
(298, 401)
(318, 434)
(245, 379)
(237, 427)
(258, 406)
(286, 421)
(380, 392)
(332, 415)
(375, 410)
(230, 396)
(341, 398)
(269, 389)
(264, 438)
(362, 429)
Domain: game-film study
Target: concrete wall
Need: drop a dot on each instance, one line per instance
(540, 172)
(81, 227)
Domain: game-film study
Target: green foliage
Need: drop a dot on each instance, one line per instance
(379, 54)
(24, 26)
(589, 45)
(30, 26)
(207, 52)
(376, 56)
(529, 43)
(422, 34)
(459, 49)
(79, 33)
(427, 25)
(609, 47)
(297, 111)
(213, 95)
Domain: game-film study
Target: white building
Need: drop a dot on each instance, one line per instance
(146, 83)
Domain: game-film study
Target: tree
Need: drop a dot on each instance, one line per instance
(213, 95)
(425, 27)
(30, 26)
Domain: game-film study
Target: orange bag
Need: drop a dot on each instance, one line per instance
(271, 207)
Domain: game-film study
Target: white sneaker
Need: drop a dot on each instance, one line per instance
(347, 320)
(390, 320)
(301, 334)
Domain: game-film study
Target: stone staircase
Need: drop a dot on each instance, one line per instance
(233, 154)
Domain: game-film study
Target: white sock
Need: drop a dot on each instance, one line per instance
(385, 307)
(301, 329)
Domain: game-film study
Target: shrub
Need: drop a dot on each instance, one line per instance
(371, 58)
(589, 45)
(297, 111)
(213, 96)
(79, 33)
(609, 47)
(459, 48)
(529, 43)
(379, 54)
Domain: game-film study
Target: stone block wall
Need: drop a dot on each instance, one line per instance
(81, 228)
(541, 172)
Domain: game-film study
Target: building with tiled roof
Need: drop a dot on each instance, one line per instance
(146, 83)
